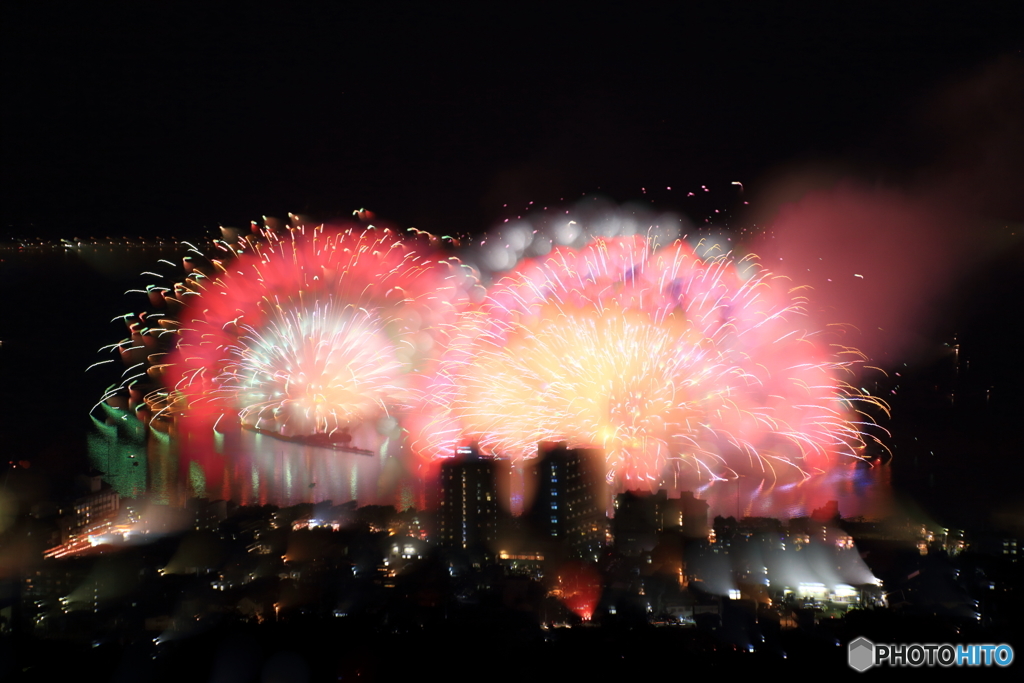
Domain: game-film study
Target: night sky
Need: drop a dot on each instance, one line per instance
(144, 119)
(155, 118)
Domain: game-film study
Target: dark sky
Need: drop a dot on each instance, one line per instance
(141, 118)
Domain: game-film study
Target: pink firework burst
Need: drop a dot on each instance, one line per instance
(313, 333)
(660, 357)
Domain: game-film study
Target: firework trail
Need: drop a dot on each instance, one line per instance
(655, 355)
(311, 333)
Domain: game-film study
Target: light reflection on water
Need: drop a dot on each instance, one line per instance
(255, 469)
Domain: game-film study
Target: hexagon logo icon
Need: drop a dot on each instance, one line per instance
(861, 654)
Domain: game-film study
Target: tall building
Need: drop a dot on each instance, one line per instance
(95, 501)
(468, 510)
(641, 517)
(687, 513)
(569, 505)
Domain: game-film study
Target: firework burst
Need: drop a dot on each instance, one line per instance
(312, 333)
(658, 356)
(665, 358)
